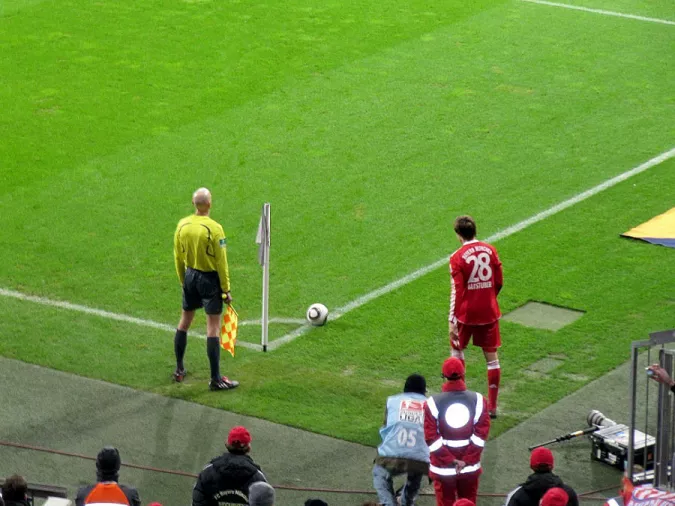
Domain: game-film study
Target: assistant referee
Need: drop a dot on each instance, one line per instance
(199, 250)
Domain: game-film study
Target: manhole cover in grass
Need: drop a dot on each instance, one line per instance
(543, 316)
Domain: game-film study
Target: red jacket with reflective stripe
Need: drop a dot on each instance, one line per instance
(468, 438)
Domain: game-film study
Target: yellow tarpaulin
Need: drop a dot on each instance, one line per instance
(658, 230)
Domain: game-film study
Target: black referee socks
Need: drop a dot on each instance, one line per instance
(213, 351)
(179, 345)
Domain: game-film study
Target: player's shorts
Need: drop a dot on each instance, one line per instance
(484, 336)
(202, 289)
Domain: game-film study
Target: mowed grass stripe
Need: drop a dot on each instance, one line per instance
(365, 166)
(94, 78)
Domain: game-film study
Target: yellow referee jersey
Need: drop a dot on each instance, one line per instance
(199, 243)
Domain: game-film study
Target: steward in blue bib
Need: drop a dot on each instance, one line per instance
(403, 449)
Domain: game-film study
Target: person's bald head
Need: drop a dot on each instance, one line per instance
(201, 199)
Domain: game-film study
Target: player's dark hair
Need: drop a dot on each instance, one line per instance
(465, 226)
(415, 383)
(14, 488)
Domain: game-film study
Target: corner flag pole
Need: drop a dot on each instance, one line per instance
(263, 240)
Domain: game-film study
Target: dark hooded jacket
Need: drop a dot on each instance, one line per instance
(531, 492)
(226, 480)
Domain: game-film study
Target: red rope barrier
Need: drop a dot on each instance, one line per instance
(585, 495)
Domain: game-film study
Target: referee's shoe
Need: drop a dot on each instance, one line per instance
(224, 383)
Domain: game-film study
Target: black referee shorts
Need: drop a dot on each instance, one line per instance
(202, 289)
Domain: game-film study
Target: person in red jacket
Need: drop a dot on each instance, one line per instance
(456, 426)
(477, 278)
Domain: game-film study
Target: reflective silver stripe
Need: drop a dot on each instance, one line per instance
(479, 407)
(612, 502)
(470, 469)
(441, 471)
(436, 445)
(456, 443)
(451, 471)
(432, 407)
(477, 441)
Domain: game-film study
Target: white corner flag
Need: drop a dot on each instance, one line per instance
(262, 238)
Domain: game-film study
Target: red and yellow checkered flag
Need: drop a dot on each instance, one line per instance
(228, 333)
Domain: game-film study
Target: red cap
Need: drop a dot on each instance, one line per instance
(554, 497)
(464, 502)
(453, 368)
(541, 457)
(239, 436)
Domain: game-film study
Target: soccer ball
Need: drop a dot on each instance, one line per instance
(317, 314)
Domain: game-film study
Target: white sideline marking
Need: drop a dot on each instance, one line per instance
(131, 319)
(341, 311)
(601, 11)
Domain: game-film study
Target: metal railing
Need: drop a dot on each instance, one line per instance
(642, 466)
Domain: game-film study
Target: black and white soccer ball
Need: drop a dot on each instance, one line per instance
(317, 314)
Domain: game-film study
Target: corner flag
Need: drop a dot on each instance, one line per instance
(263, 240)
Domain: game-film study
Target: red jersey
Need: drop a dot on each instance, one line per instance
(476, 280)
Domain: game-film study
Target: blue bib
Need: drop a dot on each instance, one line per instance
(403, 436)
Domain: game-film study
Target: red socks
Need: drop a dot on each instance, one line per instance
(494, 374)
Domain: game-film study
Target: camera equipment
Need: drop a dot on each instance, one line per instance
(610, 441)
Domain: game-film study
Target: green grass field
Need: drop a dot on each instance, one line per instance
(368, 126)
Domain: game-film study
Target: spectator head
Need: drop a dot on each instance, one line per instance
(554, 497)
(463, 502)
(465, 227)
(108, 464)
(261, 493)
(315, 502)
(415, 383)
(15, 488)
(239, 440)
(453, 369)
(541, 460)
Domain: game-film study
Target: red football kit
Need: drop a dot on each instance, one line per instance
(477, 278)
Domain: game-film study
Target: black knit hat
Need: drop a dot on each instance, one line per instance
(416, 384)
(108, 463)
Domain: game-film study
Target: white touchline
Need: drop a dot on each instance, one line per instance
(341, 311)
(131, 319)
(601, 11)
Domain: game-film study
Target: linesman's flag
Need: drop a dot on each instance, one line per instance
(228, 333)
